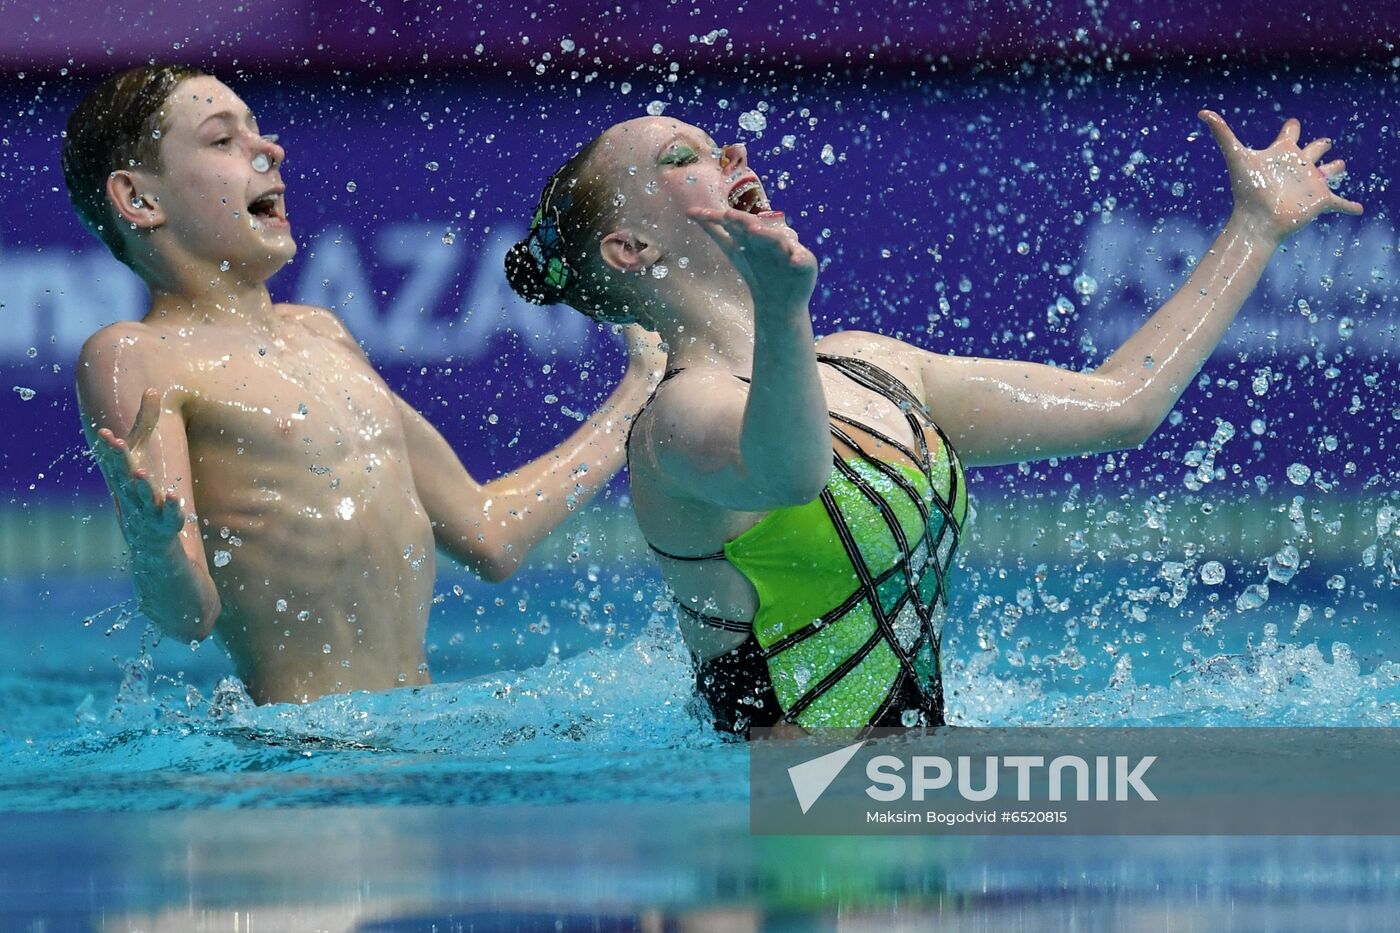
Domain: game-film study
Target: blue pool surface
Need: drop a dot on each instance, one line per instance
(560, 776)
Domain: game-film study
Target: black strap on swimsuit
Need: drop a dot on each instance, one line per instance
(737, 683)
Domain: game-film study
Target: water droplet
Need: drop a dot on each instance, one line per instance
(1345, 328)
(431, 166)
(221, 558)
(1178, 189)
(1336, 582)
(660, 271)
(656, 108)
(1023, 248)
(828, 154)
(567, 45)
(789, 142)
(32, 352)
(683, 262)
(325, 649)
(281, 605)
(1086, 284)
(25, 393)
(753, 121)
(619, 199)
(350, 186)
(1283, 564)
(448, 238)
(346, 509)
(1212, 573)
(1298, 473)
(1254, 596)
(261, 163)
(224, 266)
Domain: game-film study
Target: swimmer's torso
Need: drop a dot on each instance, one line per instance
(893, 468)
(315, 537)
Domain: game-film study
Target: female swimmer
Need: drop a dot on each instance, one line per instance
(805, 498)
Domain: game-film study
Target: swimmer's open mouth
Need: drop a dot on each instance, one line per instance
(747, 195)
(269, 206)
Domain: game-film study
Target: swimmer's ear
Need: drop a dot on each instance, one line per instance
(132, 205)
(624, 251)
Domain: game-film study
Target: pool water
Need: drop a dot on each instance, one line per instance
(559, 774)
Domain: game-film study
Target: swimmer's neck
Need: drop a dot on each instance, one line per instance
(243, 306)
(713, 333)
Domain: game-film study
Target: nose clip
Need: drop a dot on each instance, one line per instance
(262, 162)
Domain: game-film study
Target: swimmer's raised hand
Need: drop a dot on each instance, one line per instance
(151, 519)
(778, 269)
(1280, 189)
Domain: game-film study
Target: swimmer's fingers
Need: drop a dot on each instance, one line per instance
(712, 222)
(1343, 206)
(1316, 150)
(766, 237)
(1334, 201)
(1288, 136)
(1224, 136)
(723, 232)
(170, 514)
(151, 516)
(146, 419)
(113, 456)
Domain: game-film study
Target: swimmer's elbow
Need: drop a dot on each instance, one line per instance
(207, 618)
(495, 565)
(192, 625)
(1126, 433)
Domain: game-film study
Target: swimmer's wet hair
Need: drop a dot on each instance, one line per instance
(558, 262)
(114, 127)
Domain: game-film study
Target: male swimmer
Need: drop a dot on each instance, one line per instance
(804, 497)
(273, 490)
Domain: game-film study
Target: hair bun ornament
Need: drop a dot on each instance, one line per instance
(545, 243)
(525, 277)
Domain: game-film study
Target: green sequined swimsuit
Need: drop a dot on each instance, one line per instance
(851, 586)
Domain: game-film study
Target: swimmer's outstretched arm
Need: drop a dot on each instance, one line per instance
(756, 447)
(148, 472)
(491, 527)
(1005, 411)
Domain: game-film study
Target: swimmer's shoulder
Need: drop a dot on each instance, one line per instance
(691, 416)
(120, 361)
(896, 357)
(124, 347)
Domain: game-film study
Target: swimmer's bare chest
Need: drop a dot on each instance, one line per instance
(295, 441)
